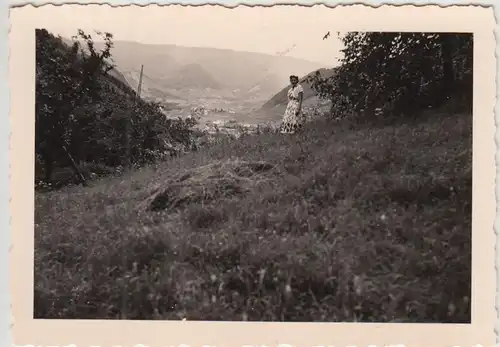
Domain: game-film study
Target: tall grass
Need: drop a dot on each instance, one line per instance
(332, 224)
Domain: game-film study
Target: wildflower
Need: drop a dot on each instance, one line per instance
(451, 309)
(358, 284)
(288, 292)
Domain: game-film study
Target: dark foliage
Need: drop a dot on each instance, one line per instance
(81, 110)
(388, 75)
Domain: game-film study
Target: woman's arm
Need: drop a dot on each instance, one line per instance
(301, 97)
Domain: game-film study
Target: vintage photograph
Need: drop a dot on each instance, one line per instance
(190, 172)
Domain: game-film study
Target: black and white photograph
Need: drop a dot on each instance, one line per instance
(280, 170)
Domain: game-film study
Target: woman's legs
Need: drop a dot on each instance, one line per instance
(287, 128)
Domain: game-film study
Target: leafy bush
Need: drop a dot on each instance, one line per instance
(81, 110)
(387, 75)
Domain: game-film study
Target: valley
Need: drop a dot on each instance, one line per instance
(230, 85)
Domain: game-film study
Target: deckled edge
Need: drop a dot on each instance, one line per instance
(329, 4)
(5, 131)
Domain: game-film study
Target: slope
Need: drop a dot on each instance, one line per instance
(335, 225)
(280, 98)
(191, 76)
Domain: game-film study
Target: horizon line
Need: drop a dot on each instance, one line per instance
(324, 65)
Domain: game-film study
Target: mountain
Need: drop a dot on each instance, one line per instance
(198, 76)
(191, 76)
(175, 68)
(129, 56)
(119, 76)
(281, 99)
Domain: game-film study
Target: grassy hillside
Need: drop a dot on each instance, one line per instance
(119, 76)
(372, 224)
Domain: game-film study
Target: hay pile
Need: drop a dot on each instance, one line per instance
(215, 181)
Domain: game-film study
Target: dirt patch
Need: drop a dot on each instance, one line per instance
(215, 181)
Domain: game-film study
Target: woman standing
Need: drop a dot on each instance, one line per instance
(292, 119)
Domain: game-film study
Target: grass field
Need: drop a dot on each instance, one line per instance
(372, 224)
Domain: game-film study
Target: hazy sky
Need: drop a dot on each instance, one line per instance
(298, 30)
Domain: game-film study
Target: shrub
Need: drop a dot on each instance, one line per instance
(383, 76)
(81, 110)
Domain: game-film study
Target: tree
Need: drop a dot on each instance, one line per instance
(397, 73)
(81, 107)
(65, 81)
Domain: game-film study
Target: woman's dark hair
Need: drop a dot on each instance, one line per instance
(294, 77)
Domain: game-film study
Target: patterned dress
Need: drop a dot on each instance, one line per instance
(291, 121)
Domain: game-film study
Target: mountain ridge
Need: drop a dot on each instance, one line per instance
(235, 70)
(228, 50)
